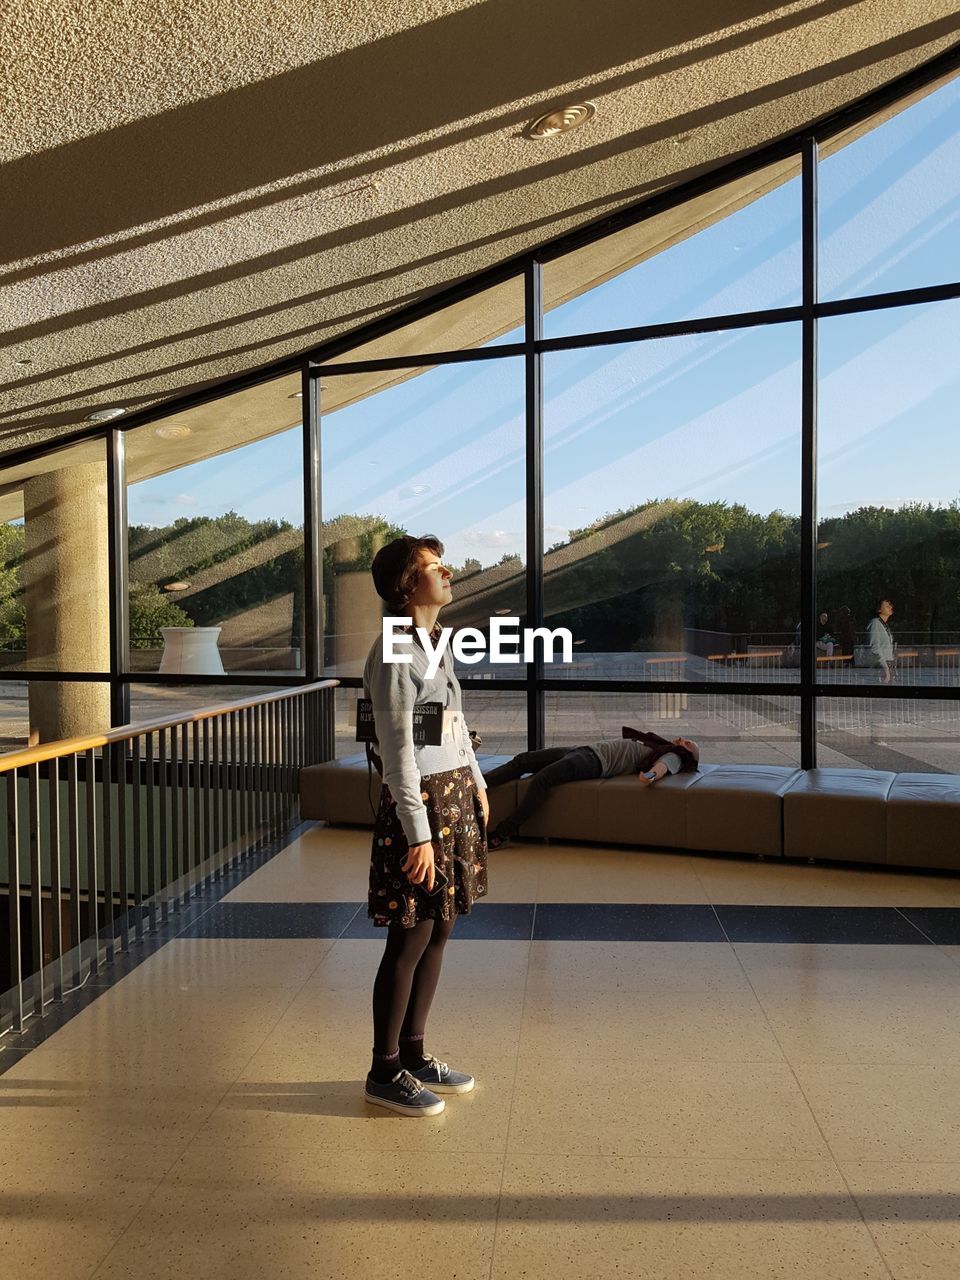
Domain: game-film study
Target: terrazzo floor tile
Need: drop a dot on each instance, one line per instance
(618, 1107)
(241, 1212)
(649, 1027)
(64, 1205)
(913, 1212)
(634, 966)
(771, 882)
(887, 1113)
(603, 874)
(679, 1220)
(844, 970)
(326, 1110)
(351, 963)
(208, 964)
(895, 1031)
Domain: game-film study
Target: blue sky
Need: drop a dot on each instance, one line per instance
(710, 417)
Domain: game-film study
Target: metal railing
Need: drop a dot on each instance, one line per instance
(107, 835)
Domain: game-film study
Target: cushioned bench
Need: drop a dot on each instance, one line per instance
(850, 815)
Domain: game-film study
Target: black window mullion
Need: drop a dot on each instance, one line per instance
(808, 466)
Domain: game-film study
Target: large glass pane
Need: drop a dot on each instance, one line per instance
(728, 728)
(215, 503)
(903, 735)
(672, 498)
(734, 249)
(889, 496)
(440, 453)
(890, 202)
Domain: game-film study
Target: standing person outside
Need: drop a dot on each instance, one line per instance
(428, 857)
(880, 641)
(846, 632)
(647, 755)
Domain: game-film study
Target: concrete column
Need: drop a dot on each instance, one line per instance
(66, 593)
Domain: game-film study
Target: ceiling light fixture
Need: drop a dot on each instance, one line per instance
(561, 121)
(104, 415)
(173, 431)
(176, 586)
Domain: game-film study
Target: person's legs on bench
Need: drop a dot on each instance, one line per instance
(575, 764)
(525, 762)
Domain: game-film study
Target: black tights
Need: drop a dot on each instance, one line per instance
(406, 982)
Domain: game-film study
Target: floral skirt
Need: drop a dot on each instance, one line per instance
(459, 848)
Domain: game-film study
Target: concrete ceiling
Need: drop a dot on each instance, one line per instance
(196, 188)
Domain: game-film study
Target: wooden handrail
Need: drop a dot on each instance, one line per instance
(764, 653)
(680, 659)
(124, 732)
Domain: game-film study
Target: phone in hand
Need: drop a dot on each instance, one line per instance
(440, 883)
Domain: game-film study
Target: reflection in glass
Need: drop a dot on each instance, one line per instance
(890, 202)
(216, 536)
(897, 734)
(734, 249)
(441, 453)
(729, 729)
(672, 496)
(889, 493)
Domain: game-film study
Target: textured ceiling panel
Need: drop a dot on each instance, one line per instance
(195, 189)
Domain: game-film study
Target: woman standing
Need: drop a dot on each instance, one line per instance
(428, 860)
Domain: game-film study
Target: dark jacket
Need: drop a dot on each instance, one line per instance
(660, 746)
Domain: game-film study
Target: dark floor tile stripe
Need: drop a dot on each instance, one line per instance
(488, 921)
(626, 922)
(273, 920)
(824, 925)
(940, 924)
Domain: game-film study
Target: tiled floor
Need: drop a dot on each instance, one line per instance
(774, 1090)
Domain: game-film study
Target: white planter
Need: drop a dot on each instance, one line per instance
(191, 651)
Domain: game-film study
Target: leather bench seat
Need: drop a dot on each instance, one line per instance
(628, 813)
(737, 808)
(848, 815)
(923, 820)
(839, 814)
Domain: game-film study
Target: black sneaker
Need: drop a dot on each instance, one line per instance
(497, 841)
(403, 1094)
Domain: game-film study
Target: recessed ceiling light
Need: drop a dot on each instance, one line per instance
(24, 361)
(296, 395)
(173, 431)
(104, 415)
(561, 121)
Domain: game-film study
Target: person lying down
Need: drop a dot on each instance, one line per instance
(647, 755)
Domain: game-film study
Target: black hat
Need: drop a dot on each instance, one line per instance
(389, 564)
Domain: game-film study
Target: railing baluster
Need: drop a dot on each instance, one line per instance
(56, 876)
(210, 800)
(137, 840)
(175, 812)
(119, 753)
(185, 809)
(36, 887)
(199, 852)
(73, 846)
(90, 808)
(165, 825)
(258, 773)
(236, 783)
(109, 826)
(216, 794)
(13, 880)
(152, 842)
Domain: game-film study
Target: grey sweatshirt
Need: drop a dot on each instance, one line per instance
(393, 688)
(627, 755)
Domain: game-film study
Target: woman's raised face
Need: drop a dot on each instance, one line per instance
(433, 587)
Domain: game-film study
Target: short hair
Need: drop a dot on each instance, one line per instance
(396, 569)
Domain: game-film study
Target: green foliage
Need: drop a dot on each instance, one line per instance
(150, 610)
